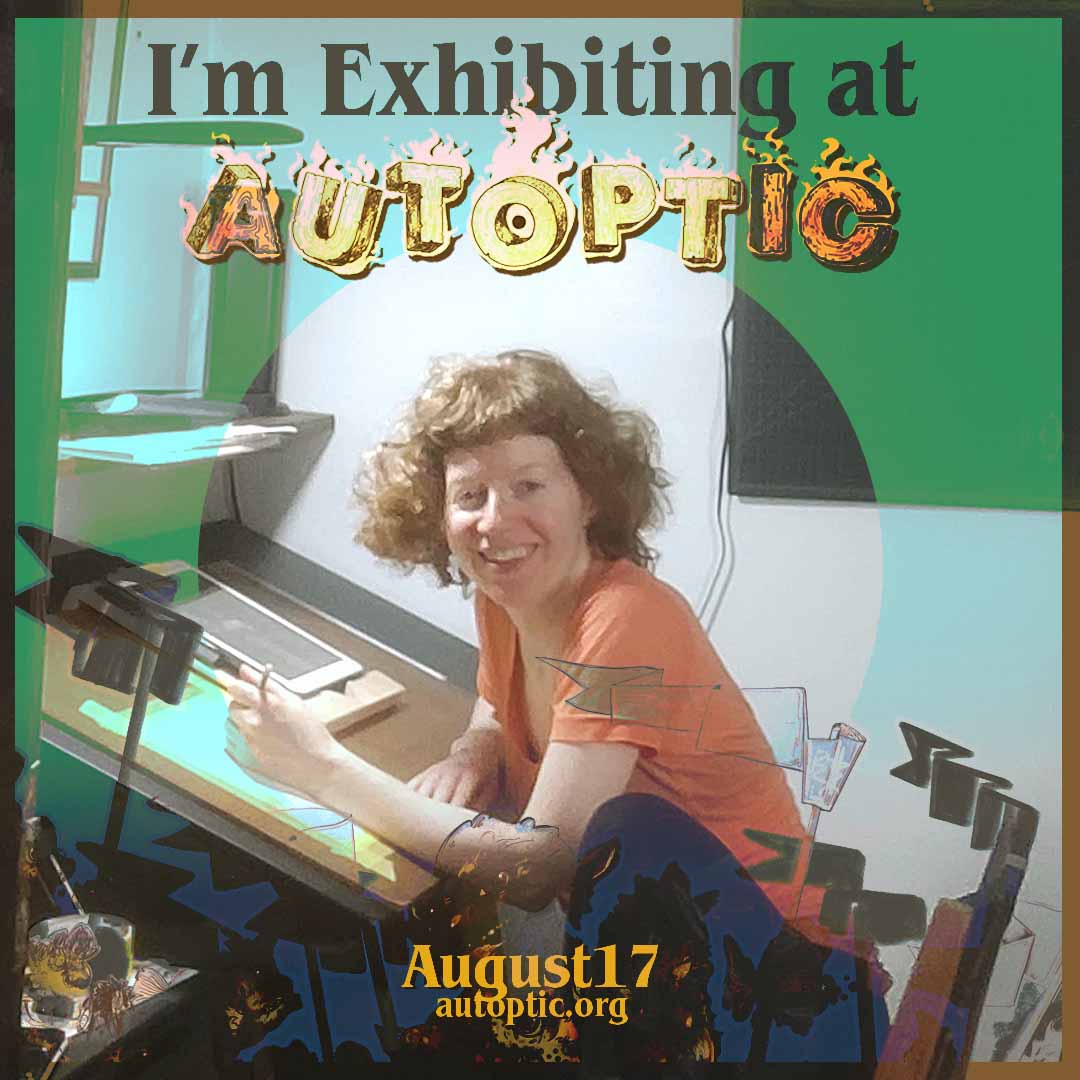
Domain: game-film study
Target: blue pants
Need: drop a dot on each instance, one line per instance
(731, 982)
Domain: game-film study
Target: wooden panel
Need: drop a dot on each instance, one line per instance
(372, 694)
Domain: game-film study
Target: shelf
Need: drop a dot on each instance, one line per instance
(165, 449)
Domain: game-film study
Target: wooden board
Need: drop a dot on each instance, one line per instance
(365, 697)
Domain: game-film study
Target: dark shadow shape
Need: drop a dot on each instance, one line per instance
(301, 916)
(790, 435)
(138, 889)
(230, 868)
(671, 1019)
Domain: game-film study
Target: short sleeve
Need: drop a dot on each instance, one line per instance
(639, 670)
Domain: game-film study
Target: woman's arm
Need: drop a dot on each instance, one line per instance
(574, 780)
(530, 862)
(273, 735)
(469, 775)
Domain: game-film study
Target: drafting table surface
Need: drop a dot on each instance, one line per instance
(183, 747)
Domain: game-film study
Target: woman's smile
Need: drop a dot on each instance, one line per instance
(505, 555)
(506, 559)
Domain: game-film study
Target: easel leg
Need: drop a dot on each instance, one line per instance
(389, 1036)
(117, 809)
(318, 1003)
(131, 747)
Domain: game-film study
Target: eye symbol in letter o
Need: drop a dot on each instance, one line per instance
(521, 224)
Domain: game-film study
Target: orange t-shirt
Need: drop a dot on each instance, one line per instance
(700, 745)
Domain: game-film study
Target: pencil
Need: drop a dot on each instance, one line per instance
(67, 885)
(265, 677)
(55, 1058)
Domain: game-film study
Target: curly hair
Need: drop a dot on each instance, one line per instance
(611, 452)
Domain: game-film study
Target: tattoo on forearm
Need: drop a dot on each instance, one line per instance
(524, 864)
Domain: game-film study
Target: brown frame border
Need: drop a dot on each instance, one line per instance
(625, 9)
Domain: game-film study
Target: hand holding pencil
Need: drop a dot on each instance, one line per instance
(274, 736)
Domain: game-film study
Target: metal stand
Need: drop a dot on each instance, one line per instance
(131, 741)
(956, 960)
(993, 904)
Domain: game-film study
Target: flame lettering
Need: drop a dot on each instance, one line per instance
(336, 221)
(239, 211)
(769, 227)
(432, 175)
(617, 201)
(523, 218)
(705, 194)
(845, 188)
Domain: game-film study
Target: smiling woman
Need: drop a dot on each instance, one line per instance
(510, 476)
(516, 523)
(507, 474)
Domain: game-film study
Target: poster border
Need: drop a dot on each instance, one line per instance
(1068, 14)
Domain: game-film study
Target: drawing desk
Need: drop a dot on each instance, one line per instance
(88, 722)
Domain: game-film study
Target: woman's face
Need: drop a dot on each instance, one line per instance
(516, 520)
